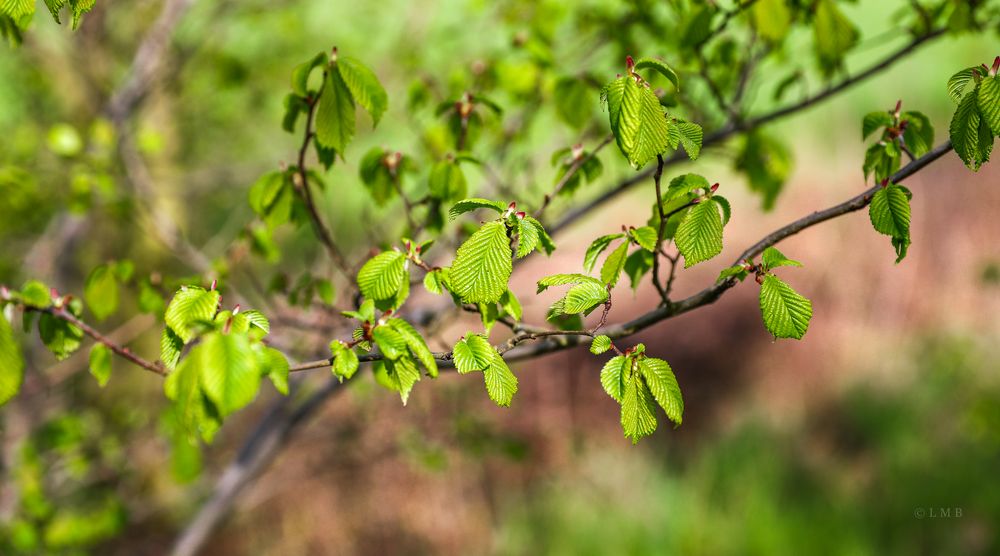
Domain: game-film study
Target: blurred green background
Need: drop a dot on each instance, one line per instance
(879, 433)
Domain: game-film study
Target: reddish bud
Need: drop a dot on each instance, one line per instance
(715, 188)
(521, 214)
(512, 205)
(996, 65)
(885, 182)
(236, 309)
(417, 249)
(577, 151)
(629, 64)
(214, 284)
(333, 54)
(899, 106)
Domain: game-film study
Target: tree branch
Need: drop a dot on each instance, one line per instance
(733, 128)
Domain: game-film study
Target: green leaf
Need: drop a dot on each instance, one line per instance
(584, 296)
(433, 282)
(257, 319)
(100, 363)
(36, 294)
(890, 211)
(699, 235)
(543, 236)
(11, 362)
(364, 86)
(398, 375)
(345, 361)
(501, 384)
(612, 376)
(190, 306)
(989, 102)
(663, 384)
(767, 164)
(300, 75)
(638, 409)
(639, 125)
(919, 133)
(18, 9)
(416, 343)
(727, 209)
(690, 136)
(564, 279)
(61, 337)
(834, 35)
(482, 265)
(739, 271)
(101, 292)
(473, 353)
(882, 159)
(645, 237)
(596, 248)
(468, 205)
(383, 275)
(170, 348)
(958, 82)
(390, 343)
(600, 344)
(786, 313)
(527, 237)
(772, 258)
(229, 371)
(274, 364)
(335, 114)
(195, 412)
(613, 265)
(873, 121)
(511, 305)
(659, 67)
(447, 182)
(965, 132)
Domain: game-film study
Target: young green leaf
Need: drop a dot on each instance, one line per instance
(11, 362)
(659, 67)
(834, 35)
(613, 265)
(482, 265)
(645, 237)
(638, 409)
(583, 297)
(919, 133)
(786, 313)
(229, 371)
(699, 235)
(527, 237)
(190, 306)
(772, 258)
(100, 363)
(511, 305)
(195, 412)
(890, 211)
(690, 136)
(543, 236)
(612, 376)
(958, 82)
(473, 353)
(637, 120)
(637, 265)
(398, 375)
(274, 364)
(382, 277)
(335, 114)
(873, 121)
(345, 361)
(101, 292)
(170, 348)
(447, 182)
(600, 344)
(965, 132)
(501, 384)
(989, 102)
(564, 279)
(364, 87)
(416, 343)
(738, 271)
(663, 384)
(468, 205)
(596, 248)
(301, 73)
(36, 294)
(61, 337)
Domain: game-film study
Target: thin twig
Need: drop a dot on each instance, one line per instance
(660, 230)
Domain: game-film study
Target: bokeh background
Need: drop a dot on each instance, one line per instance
(855, 440)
